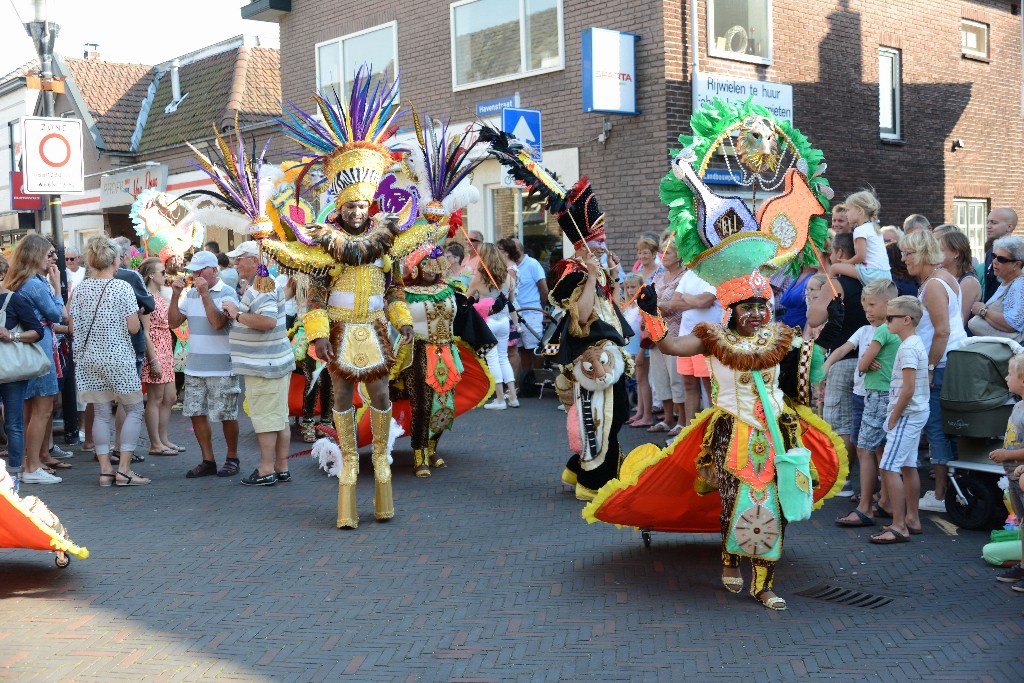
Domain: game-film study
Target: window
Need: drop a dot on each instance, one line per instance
(889, 77)
(500, 40)
(377, 46)
(970, 215)
(740, 29)
(973, 39)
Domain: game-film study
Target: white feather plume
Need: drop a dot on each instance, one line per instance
(418, 166)
(462, 196)
(394, 432)
(220, 217)
(327, 456)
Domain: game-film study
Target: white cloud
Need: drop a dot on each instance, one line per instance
(146, 32)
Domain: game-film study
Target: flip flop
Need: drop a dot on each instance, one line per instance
(897, 537)
(639, 425)
(914, 531)
(675, 430)
(660, 427)
(169, 451)
(882, 512)
(862, 520)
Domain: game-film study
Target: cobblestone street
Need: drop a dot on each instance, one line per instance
(487, 573)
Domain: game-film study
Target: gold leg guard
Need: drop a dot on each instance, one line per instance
(422, 469)
(434, 459)
(383, 500)
(348, 515)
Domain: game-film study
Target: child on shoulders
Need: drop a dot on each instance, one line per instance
(870, 262)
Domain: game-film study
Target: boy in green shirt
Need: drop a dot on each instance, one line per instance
(876, 364)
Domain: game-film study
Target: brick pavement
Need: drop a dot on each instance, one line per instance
(486, 574)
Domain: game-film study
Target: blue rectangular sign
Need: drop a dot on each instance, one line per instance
(714, 176)
(525, 125)
(493, 107)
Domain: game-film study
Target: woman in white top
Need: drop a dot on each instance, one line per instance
(940, 328)
(491, 264)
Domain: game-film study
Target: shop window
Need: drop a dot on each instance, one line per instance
(970, 215)
(890, 74)
(341, 58)
(501, 40)
(740, 29)
(973, 39)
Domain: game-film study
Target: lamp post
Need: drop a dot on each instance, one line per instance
(44, 33)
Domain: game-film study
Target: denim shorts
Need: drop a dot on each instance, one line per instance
(856, 413)
(872, 424)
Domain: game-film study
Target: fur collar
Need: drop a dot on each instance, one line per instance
(761, 352)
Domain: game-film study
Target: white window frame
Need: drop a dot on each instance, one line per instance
(713, 50)
(896, 93)
(967, 52)
(961, 218)
(523, 71)
(393, 25)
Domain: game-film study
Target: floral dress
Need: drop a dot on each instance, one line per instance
(163, 345)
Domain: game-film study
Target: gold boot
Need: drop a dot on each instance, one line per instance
(348, 515)
(431, 455)
(422, 469)
(383, 501)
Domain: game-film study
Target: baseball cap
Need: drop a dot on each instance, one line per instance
(249, 247)
(202, 259)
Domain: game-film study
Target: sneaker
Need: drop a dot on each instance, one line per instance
(930, 503)
(1019, 587)
(495, 405)
(1014, 574)
(40, 476)
(60, 454)
(512, 404)
(255, 479)
(283, 477)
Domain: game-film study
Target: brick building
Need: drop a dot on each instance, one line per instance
(137, 118)
(936, 134)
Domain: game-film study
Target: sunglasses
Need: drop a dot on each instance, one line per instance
(1004, 259)
(475, 241)
(890, 318)
(71, 258)
(51, 254)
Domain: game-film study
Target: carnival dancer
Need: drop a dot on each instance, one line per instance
(767, 457)
(592, 334)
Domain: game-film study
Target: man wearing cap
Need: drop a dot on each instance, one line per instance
(211, 388)
(261, 352)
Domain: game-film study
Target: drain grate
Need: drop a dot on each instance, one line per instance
(845, 596)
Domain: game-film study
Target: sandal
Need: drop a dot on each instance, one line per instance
(134, 479)
(105, 476)
(774, 602)
(733, 584)
(204, 469)
(638, 425)
(897, 537)
(660, 427)
(675, 430)
(914, 531)
(230, 469)
(862, 519)
(166, 451)
(58, 465)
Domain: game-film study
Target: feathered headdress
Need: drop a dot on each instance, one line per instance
(349, 144)
(578, 213)
(243, 188)
(442, 164)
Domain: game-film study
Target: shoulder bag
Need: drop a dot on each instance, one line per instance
(20, 360)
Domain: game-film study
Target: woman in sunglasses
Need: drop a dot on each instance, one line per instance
(1003, 314)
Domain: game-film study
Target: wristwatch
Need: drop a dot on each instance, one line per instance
(983, 311)
(930, 367)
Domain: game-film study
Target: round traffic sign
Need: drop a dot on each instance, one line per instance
(60, 139)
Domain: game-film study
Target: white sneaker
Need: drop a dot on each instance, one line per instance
(846, 491)
(561, 407)
(930, 503)
(495, 405)
(40, 476)
(512, 404)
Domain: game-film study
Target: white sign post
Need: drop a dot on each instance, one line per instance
(54, 163)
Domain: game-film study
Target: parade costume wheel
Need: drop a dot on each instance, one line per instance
(646, 535)
(63, 560)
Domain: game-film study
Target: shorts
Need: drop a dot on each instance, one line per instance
(267, 400)
(214, 397)
(693, 366)
(668, 383)
(872, 425)
(1016, 496)
(535, 321)
(867, 274)
(902, 442)
(856, 413)
(838, 390)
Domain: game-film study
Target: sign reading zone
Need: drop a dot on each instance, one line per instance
(54, 163)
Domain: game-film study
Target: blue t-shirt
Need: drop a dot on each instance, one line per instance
(794, 303)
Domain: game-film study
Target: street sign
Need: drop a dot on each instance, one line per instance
(525, 125)
(54, 163)
(492, 107)
(21, 200)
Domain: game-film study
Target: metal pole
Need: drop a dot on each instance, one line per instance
(519, 196)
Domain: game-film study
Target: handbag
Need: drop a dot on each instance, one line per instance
(20, 360)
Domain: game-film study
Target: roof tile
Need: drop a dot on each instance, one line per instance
(113, 93)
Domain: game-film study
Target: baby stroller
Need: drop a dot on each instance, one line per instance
(976, 405)
(28, 523)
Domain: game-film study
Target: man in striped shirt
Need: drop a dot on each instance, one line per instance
(211, 389)
(261, 352)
